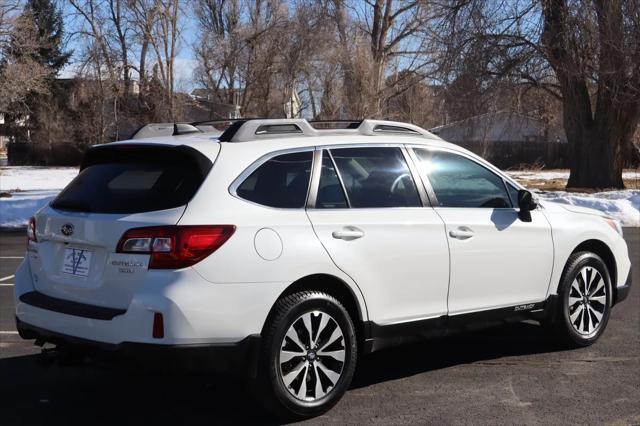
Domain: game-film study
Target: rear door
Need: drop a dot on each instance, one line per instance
(497, 259)
(119, 187)
(370, 218)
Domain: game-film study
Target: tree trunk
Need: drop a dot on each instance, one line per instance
(599, 135)
(599, 148)
(595, 158)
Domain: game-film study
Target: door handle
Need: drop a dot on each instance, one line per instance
(462, 233)
(348, 233)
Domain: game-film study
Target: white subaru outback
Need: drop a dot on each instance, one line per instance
(286, 249)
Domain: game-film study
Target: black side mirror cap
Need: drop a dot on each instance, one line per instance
(526, 201)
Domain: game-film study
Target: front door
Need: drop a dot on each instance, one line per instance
(497, 259)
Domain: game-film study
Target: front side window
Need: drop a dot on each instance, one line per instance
(281, 181)
(376, 177)
(513, 193)
(460, 182)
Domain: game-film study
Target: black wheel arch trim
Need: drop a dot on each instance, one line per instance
(601, 249)
(318, 282)
(622, 292)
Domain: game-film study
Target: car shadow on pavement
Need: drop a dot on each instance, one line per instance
(98, 393)
(492, 344)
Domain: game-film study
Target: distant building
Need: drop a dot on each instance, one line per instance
(6, 135)
(501, 126)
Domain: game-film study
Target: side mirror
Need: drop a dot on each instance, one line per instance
(526, 201)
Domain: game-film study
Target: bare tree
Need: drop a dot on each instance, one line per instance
(8, 13)
(218, 49)
(164, 40)
(94, 25)
(121, 28)
(584, 53)
(143, 18)
(21, 76)
(377, 38)
(245, 56)
(599, 127)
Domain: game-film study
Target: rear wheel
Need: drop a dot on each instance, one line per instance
(584, 300)
(309, 355)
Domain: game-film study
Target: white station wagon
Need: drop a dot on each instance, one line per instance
(286, 249)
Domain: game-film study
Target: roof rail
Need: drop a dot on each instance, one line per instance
(152, 130)
(255, 129)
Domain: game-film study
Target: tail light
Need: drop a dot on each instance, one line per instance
(31, 231)
(175, 247)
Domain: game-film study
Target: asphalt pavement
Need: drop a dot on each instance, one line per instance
(505, 375)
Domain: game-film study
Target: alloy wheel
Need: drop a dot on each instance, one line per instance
(587, 301)
(312, 356)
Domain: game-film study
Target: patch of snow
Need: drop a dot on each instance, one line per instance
(621, 205)
(35, 178)
(559, 174)
(538, 175)
(31, 189)
(16, 210)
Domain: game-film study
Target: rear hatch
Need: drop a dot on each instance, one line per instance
(119, 187)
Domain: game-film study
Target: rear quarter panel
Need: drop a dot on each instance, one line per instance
(238, 260)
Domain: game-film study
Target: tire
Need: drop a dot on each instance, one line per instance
(582, 316)
(295, 382)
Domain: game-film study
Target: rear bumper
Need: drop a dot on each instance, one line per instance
(39, 300)
(195, 312)
(622, 292)
(240, 358)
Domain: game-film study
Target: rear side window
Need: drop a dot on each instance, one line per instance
(281, 181)
(330, 193)
(376, 177)
(129, 179)
(460, 182)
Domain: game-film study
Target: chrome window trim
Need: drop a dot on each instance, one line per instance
(314, 182)
(233, 188)
(425, 192)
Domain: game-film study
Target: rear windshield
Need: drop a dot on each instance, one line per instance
(126, 179)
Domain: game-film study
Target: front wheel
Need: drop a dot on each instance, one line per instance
(309, 355)
(584, 300)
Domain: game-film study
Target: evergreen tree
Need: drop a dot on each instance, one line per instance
(48, 22)
(29, 92)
